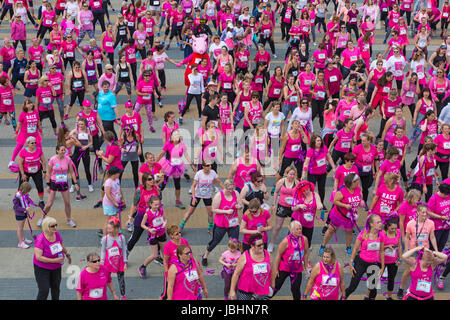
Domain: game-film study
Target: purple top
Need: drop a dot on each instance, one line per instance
(49, 250)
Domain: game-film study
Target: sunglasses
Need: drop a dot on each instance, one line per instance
(253, 211)
(53, 225)
(150, 179)
(259, 245)
(32, 142)
(187, 253)
(95, 261)
(304, 102)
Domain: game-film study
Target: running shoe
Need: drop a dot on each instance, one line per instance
(160, 103)
(27, 241)
(187, 177)
(91, 188)
(204, 262)
(180, 205)
(400, 294)
(72, 188)
(129, 227)
(180, 121)
(123, 298)
(322, 247)
(152, 129)
(440, 283)
(349, 250)
(80, 197)
(71, 223)
(23, 245)
(159, 261)
(142, 272)
(41, 204)
(98, 205)
(39, 223)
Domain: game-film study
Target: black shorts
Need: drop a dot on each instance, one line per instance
(283, 212)
(286, 162)
(59, 187)
(155, 240)
(59, 11)
(20, 218)
(92, 82)
(46, 114)
(207, 202)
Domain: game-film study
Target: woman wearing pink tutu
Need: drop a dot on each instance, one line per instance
(172, 163)
(28, 126)
(344, 214)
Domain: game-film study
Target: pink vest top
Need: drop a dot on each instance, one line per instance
(421, 282)
(255, 278)
(326, 285)
(186, 283)
(227, 220)
(291, 260)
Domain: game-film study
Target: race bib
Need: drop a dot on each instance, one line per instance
(7, 102)
(333, 79)
(390, 109)
(96, 293)
(191, 276)
(130, 23)
(259, 268)
(295, 147)
(77, 84)
(108, 44)
(345, 145)
(90, 73)
(388, 252)
(275, 130)
(227, 85)
(276, 91)
(305, 29)
(150, 29)
(114, 251)
(422, 237)
(175, 161)
(47, 100)
(321, 56)
(410, 94)
(158, 221)
(179, 24)
(132, 56)
(33, 169)
(308, 217)
(61, 178)
(124, 74)
(373, 246)
(385, 209)
(366, 168)
(321, 94)
(31, 129)
(308, 82)
(22, 70)
(347, 113)
(353, 58)
(424, 286)
(69, 54)
(430, 172)
(327, 281)
(56, 248)
(445, 14)
(321, 162)
(386, 89)
(293, 99)
(446, 145)
(57, 87)
(244, 58)
(83, 136)
(407, 5)
(48, 22)
(233, 222)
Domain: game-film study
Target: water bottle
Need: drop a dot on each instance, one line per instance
(60, 255)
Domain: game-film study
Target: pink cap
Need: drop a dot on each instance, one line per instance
(87, 103)
(128, 104)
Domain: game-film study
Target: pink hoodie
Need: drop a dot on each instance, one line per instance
(18, 30)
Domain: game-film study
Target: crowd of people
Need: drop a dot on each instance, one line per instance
(326, 73)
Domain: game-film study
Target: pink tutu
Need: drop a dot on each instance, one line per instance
(339, 221)
(227, 128)
(172, 171)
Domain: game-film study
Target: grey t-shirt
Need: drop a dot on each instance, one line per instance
(130, 151)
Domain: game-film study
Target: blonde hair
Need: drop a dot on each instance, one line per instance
(47, 222)
(391, 176)
(233, 244)
(25, 187)
(411, 195)
(41, 80)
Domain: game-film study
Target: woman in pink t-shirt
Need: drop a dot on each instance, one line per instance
(368, 243)
(59, 168)
(255, 220)
(94, 280)
(388, 198)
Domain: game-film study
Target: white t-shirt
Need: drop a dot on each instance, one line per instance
(301, 116)
(215, 50)
(204, 186)
(160, 59)
(274, 125)
(196, 84)
(72, 9)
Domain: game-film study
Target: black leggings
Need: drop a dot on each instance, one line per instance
(135, 236)
(135, 168)
(285, 27)
(219, 233)
(443, 166)
(77, 94)
(392, 272)
(320, 179)
(37, 179)
(121, 280)
(317, 107)
(47, 280)
(353, 27)
(296, 282)
(14, 81)
(366, 183)
(22, 42)
(198, 99)
(70, 61)
(6, 9)
(50, 114)
(100, 17)
(271, 43)
(321, 21)
(361, 267)
(134, 72)
(408, 16)
(86, 157)
(162, 77)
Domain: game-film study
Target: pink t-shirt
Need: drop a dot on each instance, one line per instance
(390, 255)
(388, 201)
(229, 257)
(60, 168)
(160, 59)
(441, 207)
(342, 172)
(135, 121)
(364, 159)
(29, 126)
(36, 54)
(388, 166)
(318, 160)
(407, 210)
(44, 95)
(31, 161)
(93, 286)
(114, 150)
(49, 250)
(350, 57)
(167, 132)
(8, 54)
(399, 143)
(369, 248)
(254, 222)
(443, 147)
(170, 249)
(147, 88)
(344, 141)
(114, 184)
